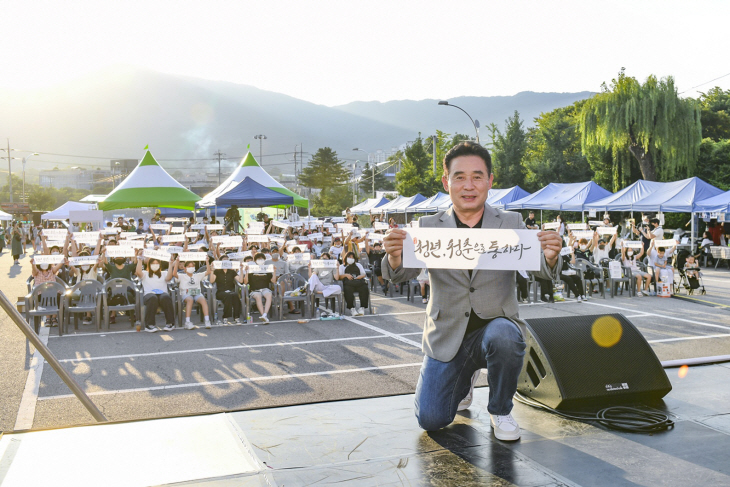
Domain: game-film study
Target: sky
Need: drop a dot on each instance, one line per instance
(335, 52)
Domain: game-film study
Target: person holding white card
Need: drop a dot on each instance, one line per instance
(190, 291)
(472, 319)
(154, 284)
(259, 287)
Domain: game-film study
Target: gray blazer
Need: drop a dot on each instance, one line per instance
(490, 294)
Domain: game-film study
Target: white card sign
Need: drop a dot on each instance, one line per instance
(299, 257)
(48, 259)
(177, 230)
(615, 270)
(135, 244)
(191, 234)
(595, 223)
(586, 234)
(566, 251)
(606, 230)
(84, 260)
(187, 256)
(280, 224)
(551, 226)
(315, 236)
(576, 226)
(55, 233)
(223, 264)
(214, 226)
(324, 264)
(259, 269)
(172, 238)
(239, 255)
(462, 248)
(86, 237)
(160, 226)
(197, 226)
(257, 238)
(120, 251)
(632, 244)
(157, 254)
(380, 226)
(173, 249)
(376, 237)
(666, 243)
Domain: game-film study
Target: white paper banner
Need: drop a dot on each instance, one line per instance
(128, 234)
(296, 224)
(172, 238)
(466, 248)
(576, 226)
(199, 256)
(303, 238)
(614, 269)
(135, 244)
(299, 257)
(227, 242)
(327, 239)
(85, 260)
(280, 224)
(48, 259)
(160, 226)
(631, 244)
(56, 243)
(338, 219)
(55, 233)
(86, 237)
(259, 269)
(666, 243)
(177, 230)
(191, 234)
(606, 230)
(324, 264)
(551, 226)
(197, 226)
(156, 254)
(345, 227)
(586, 234)
(214, 226)
(224, 264)
(328, 225)
(257, 238)
(595, 223)
(172, 249)
(380, 226)
(376, 237)
(315, 236)
(239, 255)
(111, 231)
(120, 251)
(566, 251)
(291, 243)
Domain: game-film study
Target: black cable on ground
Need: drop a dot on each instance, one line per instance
(620, 418)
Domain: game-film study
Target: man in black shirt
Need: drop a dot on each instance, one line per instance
(530, 222)
(375, 256)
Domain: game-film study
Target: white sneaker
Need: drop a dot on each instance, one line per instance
(639, 293)
(208, 324)
(505, 428)
(226, 321)
(189, 325)
(424, 300)
(150, 329)
(168, 327)
(265, 319)
(238, 321)
(578, 299)
(466, 402)
(361, 311)
(585, 298)
(353, 312)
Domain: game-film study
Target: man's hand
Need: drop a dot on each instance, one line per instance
(393, 245)
(551, 244)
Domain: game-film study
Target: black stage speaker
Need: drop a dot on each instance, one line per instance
(578, 362)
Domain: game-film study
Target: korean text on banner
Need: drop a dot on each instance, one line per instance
(259, 269)
(324, 264)
(188, 256)
(606, 230)
(120, 251)
(157, 254)
(551, 226)
(666, 243)
(85, 260)
(462, 248)
(48, 259)
(632, 244)
(586, 234)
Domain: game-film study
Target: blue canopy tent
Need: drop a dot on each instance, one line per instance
(250, 194)
(369, 204)
(625, 199)
(403, 206)
(498, 198)
(715, 204)
(429, 205)
(177, 213)
(388, 207)
(562, 197)
(678, 196)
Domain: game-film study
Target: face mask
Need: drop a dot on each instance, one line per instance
(54, 253)
(350, 260)
(601, 247)
(44, 266)
(584, 247)
(154, 267)
(629, 254)
(120, 261)
(85, 268)
(274, 256)
(260, 261)
(190, 270)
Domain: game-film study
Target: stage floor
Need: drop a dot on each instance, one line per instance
(377, 442)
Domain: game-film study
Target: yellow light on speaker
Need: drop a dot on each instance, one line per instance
(606, 331)
(683, 371)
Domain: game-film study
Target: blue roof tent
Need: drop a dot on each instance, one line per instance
(678, 197)
(367, 205)
(402, 207)
(428, 205)
(177, 213)
(562, 197)
(498, 198)
(624, 199)
(388, 207)
(716, 204)
(250, 194)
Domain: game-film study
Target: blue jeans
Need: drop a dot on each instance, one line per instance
(498, 347)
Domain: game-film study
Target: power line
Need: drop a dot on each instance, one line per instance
(706, 82)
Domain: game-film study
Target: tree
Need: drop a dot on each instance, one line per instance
(381, 182)
(412, 178)
(715, 106)
(324, 171)
(508, 149)
(331, 201)
(553, 151)
(661, 130)
(713, 164)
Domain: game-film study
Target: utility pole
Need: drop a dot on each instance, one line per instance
(220, 155)
(261, 138)
(435, 142)
(296, 178)
(373, 179)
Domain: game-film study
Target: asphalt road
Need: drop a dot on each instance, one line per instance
(132, 375)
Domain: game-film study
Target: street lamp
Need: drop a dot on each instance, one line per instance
(473, 122)
(373, 167)
(25, 159)
(114, 181)
(10, 170)
(261, 138)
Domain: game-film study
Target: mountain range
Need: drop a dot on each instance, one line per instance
(116, 112)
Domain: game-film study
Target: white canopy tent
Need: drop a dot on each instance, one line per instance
(62, 212)
(5, 216)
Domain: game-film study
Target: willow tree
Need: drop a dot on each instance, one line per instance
(662, 131)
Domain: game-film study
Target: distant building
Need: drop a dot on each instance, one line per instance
(73, 178)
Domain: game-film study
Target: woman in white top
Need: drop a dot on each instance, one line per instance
(322, 280)
(630, 260)
(155, 293)
(190, 291)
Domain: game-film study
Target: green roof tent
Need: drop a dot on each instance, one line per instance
(249, 168)
(149, 185)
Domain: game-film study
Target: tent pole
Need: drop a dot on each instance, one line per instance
(692, 241)
(540, 218)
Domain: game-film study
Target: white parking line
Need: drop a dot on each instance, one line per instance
(680, 339)
(384, 332)
(232, 381)
(694, 322)
(26, 410)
